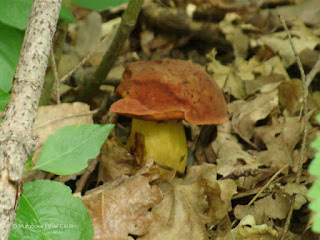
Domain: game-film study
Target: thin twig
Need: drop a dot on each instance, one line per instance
(287, 224)
(127, 24)
(263, 188)
(313, 72)
(84, 60)
(267, 184)
(304, 123)
(55, 74)
(84, 178)
(305, 94)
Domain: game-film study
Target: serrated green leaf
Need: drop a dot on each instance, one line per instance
(47, 210)
(4, 99)
(10, 45)
(68, 150)
(15, 13)
(99, 5)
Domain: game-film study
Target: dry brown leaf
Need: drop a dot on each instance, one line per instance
(247, 113)
(89, 34)
(249, 230)
(228, 189)
(190, 205)
(302, 38)
(280, 139)
(275, 206)
(50, 118)
(234, 34)
(291, 95)
(231, 158)
(300, 192)
(115, 161)
(120, 207)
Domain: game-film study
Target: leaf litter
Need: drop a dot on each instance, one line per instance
(254, 66)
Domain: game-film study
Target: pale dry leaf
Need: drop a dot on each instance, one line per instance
(302, 38)
(275, 206)
(280, 138)
(249, 230)
(230, 154)
(50, 118)
(235, 35)
(300, 192)
(115, 161)
(189, 205)
(247, 113)
(228, 77)
(89, 34)
(307, 11)
(228, 189)
(120, 207)
(291, 95)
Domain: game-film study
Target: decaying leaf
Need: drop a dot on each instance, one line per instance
(302, 38)
(120, 207)
(291, 95)
(275, 206)
(247, 113)
(190, 206)
(249, 230)
(50, 118)
(231, 156)
(228, 189)
(115, 161)
(242, 78)
(234, 34)
(300, 192)
(280, 139)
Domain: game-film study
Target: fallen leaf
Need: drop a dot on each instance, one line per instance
(189, 206)
(228, 189)
(249, 230)
(231, 157)
(115, 161)
(247, 113)
(120, 207)
(302, 38)
(280, 139)
(234, 34)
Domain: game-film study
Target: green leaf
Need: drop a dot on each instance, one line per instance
(4, 99)
(10, 45)
(314, 192)
(15, 13)
(66, 15)
(68, 150)
(99, 5)
(28, 165)
(47, 210)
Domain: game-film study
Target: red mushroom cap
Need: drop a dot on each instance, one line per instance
(170, 89)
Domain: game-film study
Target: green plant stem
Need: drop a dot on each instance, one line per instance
(128, 21)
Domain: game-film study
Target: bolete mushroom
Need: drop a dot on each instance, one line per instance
(158, 95)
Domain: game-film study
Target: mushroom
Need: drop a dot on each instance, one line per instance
(158, 95)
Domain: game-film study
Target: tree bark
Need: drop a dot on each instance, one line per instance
(16, 131)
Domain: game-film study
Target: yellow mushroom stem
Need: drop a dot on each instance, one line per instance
(165, 142)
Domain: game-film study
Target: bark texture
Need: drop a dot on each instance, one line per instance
(16, 131)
